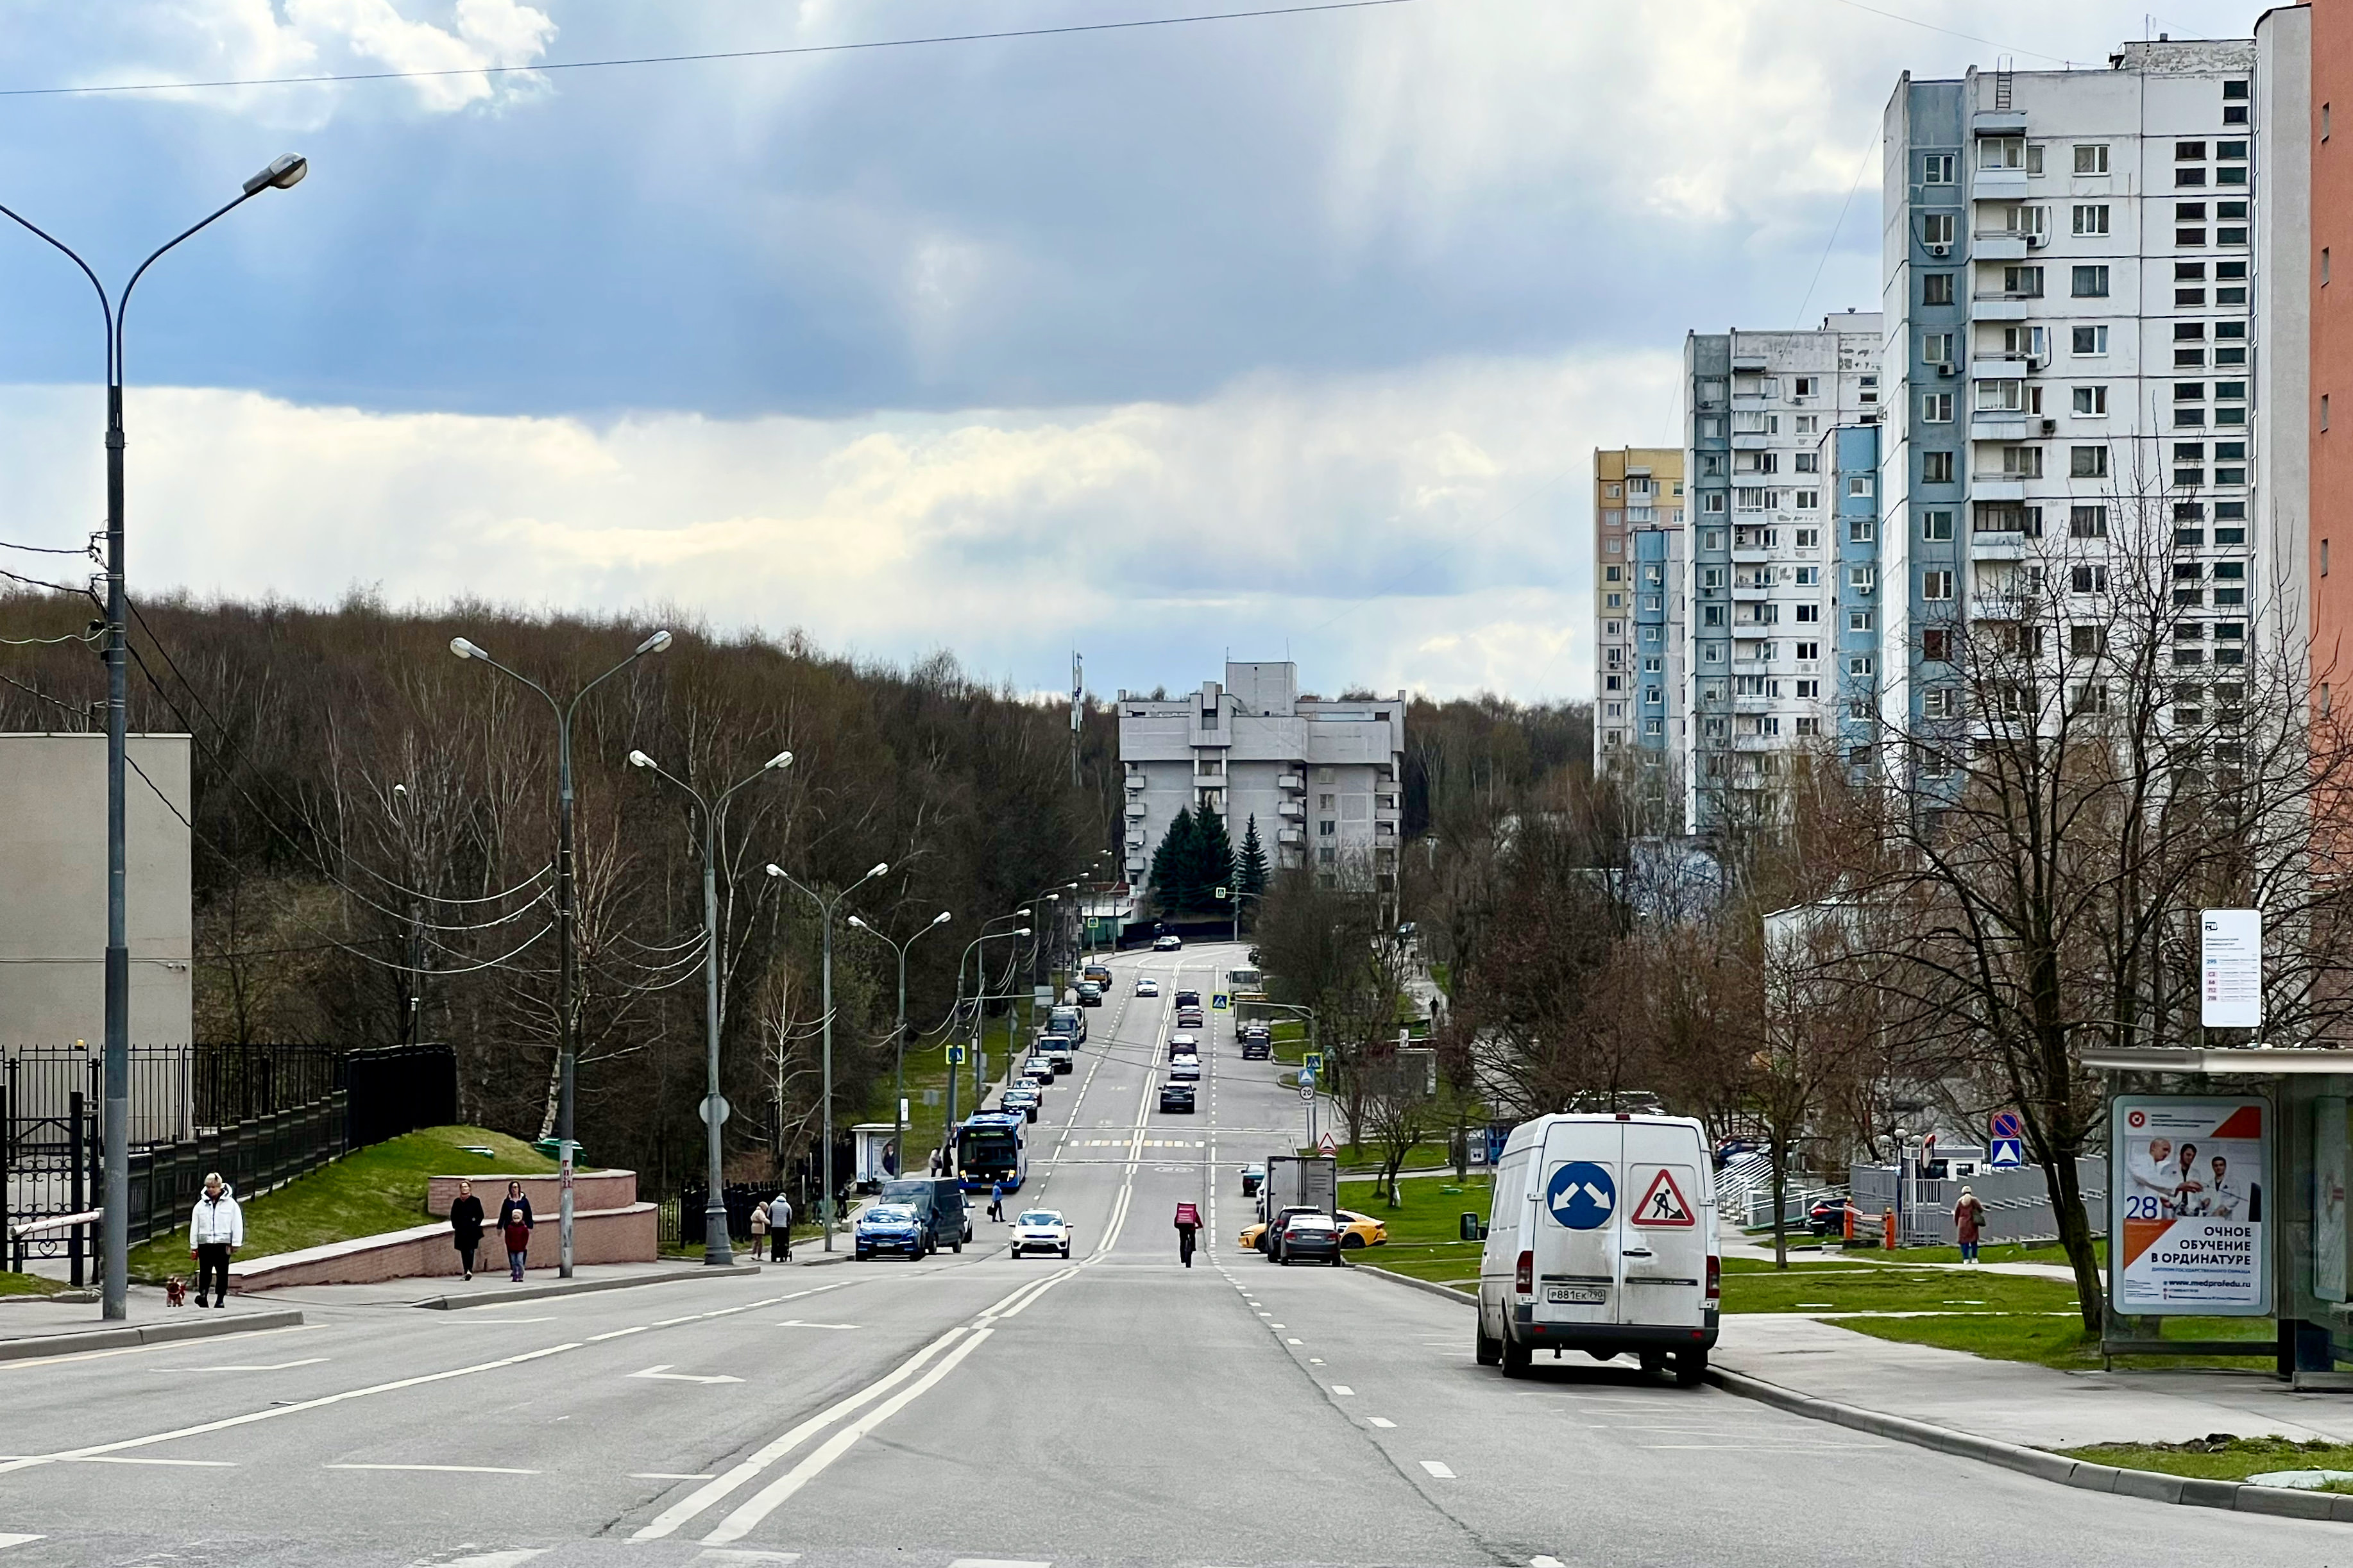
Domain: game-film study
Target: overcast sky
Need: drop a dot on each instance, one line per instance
(1292, 334)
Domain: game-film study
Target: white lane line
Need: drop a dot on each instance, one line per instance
(1342, 1390)
(715, 1557)
(615, 1333)
(748, 1517)
(442, 1469)
(996, 1563)
(1438, 1469)
(1380, 1422)
(30, 1361)
(661, 1373)
(514, 1558)
(113, 1459)
(1292, 1341)
(668, 1475)
(679, 1513)
(273, 1367)
(546, 1320)
(289, 1408)
(798, 1323)
(1545, 1563)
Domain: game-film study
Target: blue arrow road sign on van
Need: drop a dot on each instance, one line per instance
(1581, 1195)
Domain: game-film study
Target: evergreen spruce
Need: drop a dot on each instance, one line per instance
(1250, 869)
(1213, 863)
(1172, 863)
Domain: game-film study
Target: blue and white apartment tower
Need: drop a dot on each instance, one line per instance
(1851, 459)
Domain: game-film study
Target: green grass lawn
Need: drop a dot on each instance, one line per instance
(1865, 1287)
(2062, 1342)
(927, 1069)
(29, 1284)
(2232, 1459)
(369, 1191)
(1424, 1232)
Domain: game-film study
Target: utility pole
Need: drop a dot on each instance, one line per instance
(1078, 709)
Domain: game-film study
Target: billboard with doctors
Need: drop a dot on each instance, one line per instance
(2190, 1231)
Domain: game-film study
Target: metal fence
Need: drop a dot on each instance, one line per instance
(2017, 1203)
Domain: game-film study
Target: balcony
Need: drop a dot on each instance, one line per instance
(1998, 424)
(1754, 743)
(1291, 781)
(1997, 245)
(2001, 307)
(1751, 403)
(1748, 362)
(2002, 366)
(1135, 842)
(1135, 809)
(1208, 781)
(1997, 185)
(1752, 705)
(1293, 837)
(1386, 818)
(1134, 781)
(1292, 810)
(1749, 593)
(1998, 546)
(1750, 555)
(1997, 486)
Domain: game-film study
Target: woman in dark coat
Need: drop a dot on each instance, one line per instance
(466, 1225)
(515, 1200)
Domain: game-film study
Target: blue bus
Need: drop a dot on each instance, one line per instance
(990, 1148)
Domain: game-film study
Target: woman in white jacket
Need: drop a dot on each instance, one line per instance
(215, 1230)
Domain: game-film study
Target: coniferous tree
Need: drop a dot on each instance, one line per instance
(1250, 869)
(1172, 863)
(1213, 863)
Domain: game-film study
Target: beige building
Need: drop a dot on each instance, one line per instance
(1639, 562)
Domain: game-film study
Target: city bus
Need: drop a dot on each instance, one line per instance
(990, 1148)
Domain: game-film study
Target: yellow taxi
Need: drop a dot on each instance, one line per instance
(1355, 1230)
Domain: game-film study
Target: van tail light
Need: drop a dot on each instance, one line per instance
(1715, 1281)
(1523, 1279)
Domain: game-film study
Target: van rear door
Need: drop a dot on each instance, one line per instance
(1667, 1224)
(1574, 1218)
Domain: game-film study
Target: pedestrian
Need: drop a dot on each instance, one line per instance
(1969, 1218)
(466, 1225)
(513, 1201)
(514, 1224)
(1188, 1220)
(997, 1201)
(759, 1228)
(215, 1230)
(780, 1230)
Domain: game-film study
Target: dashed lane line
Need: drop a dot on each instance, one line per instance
(1438, 1469)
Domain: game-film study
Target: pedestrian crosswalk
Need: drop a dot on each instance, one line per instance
(1147, 1143)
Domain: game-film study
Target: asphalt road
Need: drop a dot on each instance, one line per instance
(983, 1411)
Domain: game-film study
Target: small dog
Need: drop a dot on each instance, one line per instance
(176, 1291)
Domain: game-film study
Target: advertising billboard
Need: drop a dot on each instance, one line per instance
(2189, 1229)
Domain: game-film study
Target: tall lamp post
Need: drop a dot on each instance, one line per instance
(718, 1247)
(566, 968)
(899, 1064)
(979, 992)
(115, 1136)
(825, 1158)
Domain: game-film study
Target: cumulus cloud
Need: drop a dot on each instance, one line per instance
(1428, 530)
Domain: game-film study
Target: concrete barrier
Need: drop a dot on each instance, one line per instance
(630, 1235)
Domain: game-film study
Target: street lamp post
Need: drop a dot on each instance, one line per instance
(980, 991)
(899, 1064)
(718, 1247)
(566, 971)
(1309, 1014)
(115, 1136)
(825, 1198)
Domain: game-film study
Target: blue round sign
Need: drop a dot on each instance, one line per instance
(1581, 1195)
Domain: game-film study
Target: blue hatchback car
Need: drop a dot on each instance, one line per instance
(889, 1227)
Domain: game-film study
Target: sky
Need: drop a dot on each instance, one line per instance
(1286, 335)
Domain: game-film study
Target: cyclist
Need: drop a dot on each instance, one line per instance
(1188, 1221)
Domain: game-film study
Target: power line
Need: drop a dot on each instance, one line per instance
(332, 77)
(43, 549)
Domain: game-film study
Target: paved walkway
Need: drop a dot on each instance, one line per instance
(2017, 1402)
(1735, 1243)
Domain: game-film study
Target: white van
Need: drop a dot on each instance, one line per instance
(1602, 1240)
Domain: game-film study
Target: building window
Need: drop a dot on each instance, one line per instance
(1858, 530)
(2091, 282)
(1936, 524)
(1936, 169)
(1937, 228)
(1937, 702)
(1935, 584)
(1808, 500)
(1937, 348)
(1936, 288)
(2026, 282)
(2091, 402)
(1858, 484)
(2088, 341)
(1858, 620)
(2088, 462)
(2088, 521)
(2092, 218)
(1937, 645)
(2087, 579)
(1936, 407)
(1327, 827)
(1712, 501)
(1935, 468)
(1861, 579)
(2090, 157)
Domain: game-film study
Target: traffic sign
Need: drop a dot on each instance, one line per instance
(1220, 1000)
(712, 1104)
(956, 1056)
(1312, 1063)
(1581, 1195)
(2005, 1141)
(1663, 1203)
(1327, 1146)
(1307, 1091)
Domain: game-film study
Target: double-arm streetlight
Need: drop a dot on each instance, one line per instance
(718, 1247)
(825, 1158)
(979, 1010)
(567, 971)
(283, 173)
(899, 1064)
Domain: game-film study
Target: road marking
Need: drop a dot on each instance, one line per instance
(616, 1334)
(1277, 1325)
(667, 1476)
(798, 1323)
(113, 1459)
(748, 1517)
(444, 1469)
(670, 1519)
(996, 1563)
(9, 1540)
(1315, 1360)
(1342, 1390)
(546, 1319)
(29, 1361)
(662, 1374)
(512, 1558)
(1377, 1421)
(1438, 1469)
(1291, 1341)
(273, 1367)
(285, 1408)
(1545, 1563)
(717, 1555)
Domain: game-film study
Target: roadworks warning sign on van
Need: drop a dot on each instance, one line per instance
(1664, 1202)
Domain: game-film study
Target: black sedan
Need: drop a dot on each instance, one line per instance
(1177, 1096)
(1310, 1238)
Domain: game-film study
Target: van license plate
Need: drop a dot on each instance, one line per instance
(1576, 1295)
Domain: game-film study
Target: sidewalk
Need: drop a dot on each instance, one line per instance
(2016, 1402)
(1735, 1242)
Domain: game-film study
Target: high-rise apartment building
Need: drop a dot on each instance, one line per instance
(1639, 604)
(1321, 776)
(2070, 262)
(1759, 410)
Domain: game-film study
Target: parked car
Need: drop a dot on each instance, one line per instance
(1359, 1230)
(1253, 1178)
(889, 1227)
(938, 1202)
(1167, 943)
(1185, 1069)
(1042, 1230)
(1090, 993)
(1147, 986)
(1827, 1217)
(1310, 1238)
(1177, 1096)
(1259, 1236)
(1021, 1098)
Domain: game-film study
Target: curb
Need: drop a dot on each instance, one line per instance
(579, 1287)
(124, 1338)
(2150, 1485)
(1431, 1286)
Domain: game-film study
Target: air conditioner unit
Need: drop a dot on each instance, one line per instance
(1945, 370)
(2037, 241)
(2051, 427)
(1940, 251)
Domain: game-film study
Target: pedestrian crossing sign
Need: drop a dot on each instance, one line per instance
(956, 1056)
(1664, 1202)
(1220, 1000)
